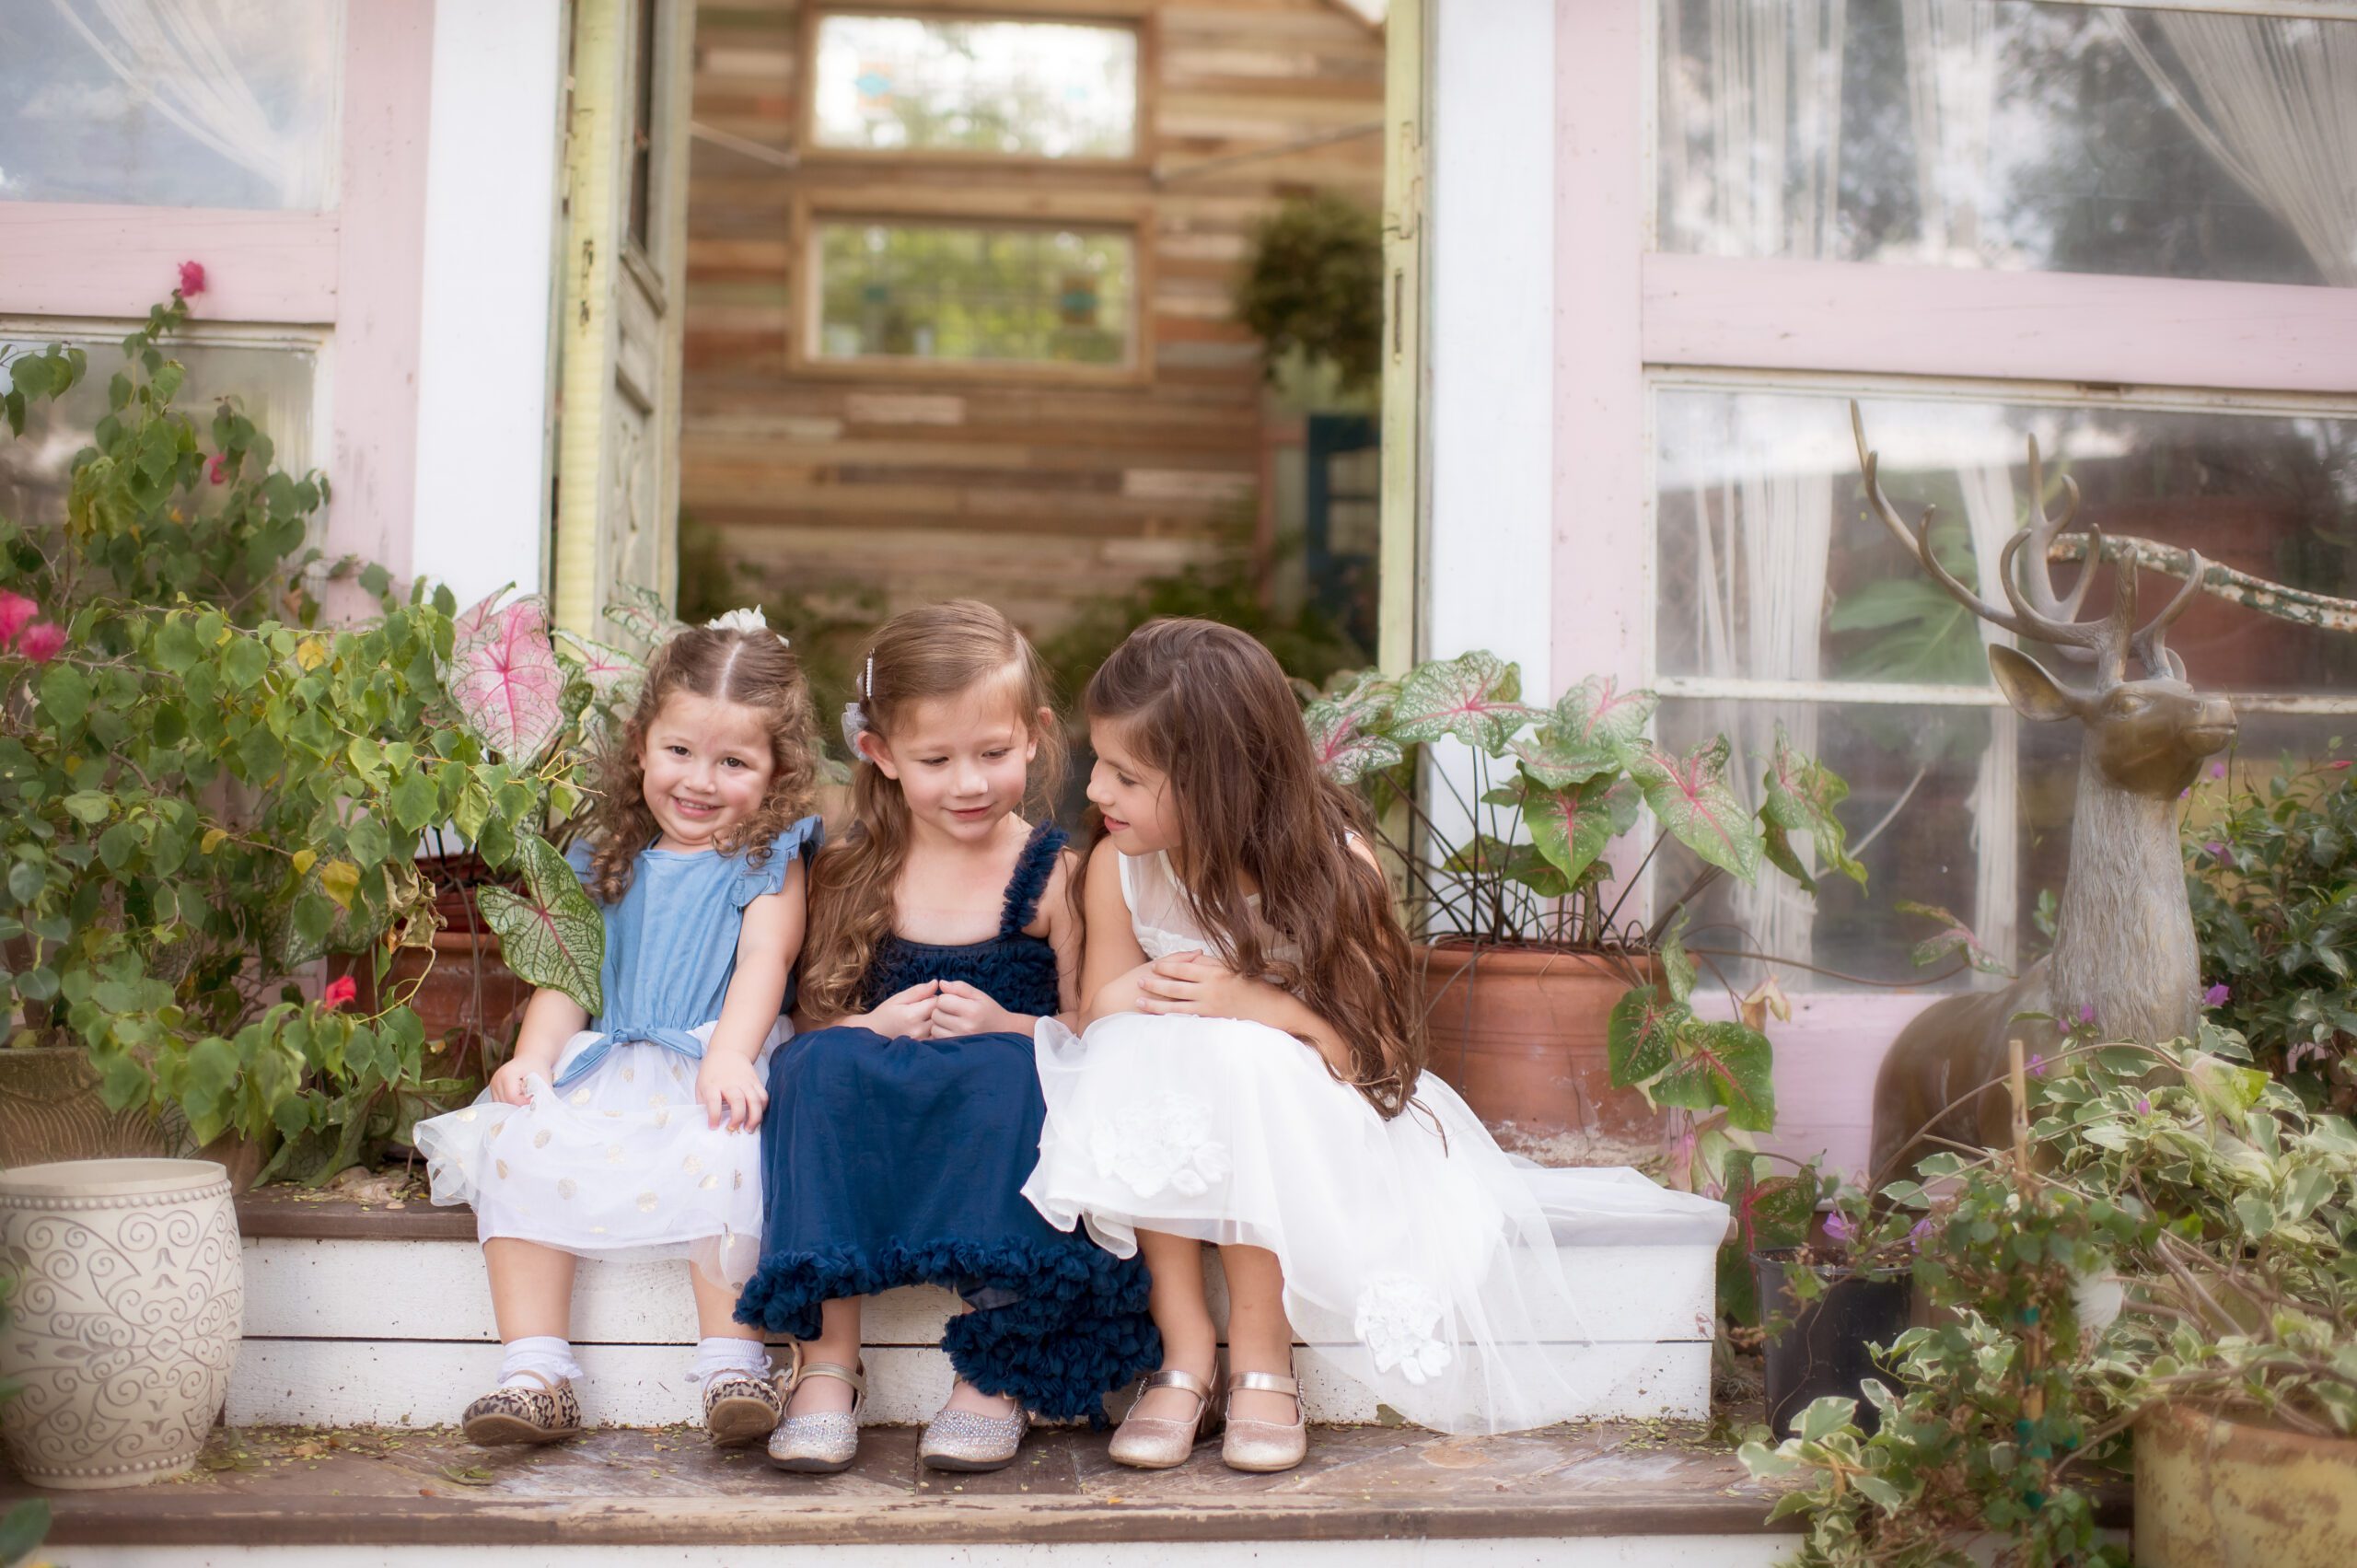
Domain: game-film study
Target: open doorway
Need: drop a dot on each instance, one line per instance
(1079, 316)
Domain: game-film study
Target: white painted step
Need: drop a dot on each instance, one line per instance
(399, 1331)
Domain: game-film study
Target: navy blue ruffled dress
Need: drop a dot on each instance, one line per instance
(896, 1162)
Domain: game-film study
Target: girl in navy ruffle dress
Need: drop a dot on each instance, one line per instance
(630, 1134)
(900, 1132)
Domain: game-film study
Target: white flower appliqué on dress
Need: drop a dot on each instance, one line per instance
(1396, 1320)
(1164, 1144)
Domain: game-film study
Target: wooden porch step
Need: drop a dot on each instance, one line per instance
(378, 1316)
(1635, 1495)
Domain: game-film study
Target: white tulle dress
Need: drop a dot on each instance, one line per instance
(1416, 1254)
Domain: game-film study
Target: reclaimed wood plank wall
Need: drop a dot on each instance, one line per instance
(1033, 493)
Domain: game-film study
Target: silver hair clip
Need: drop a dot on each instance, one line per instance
(855, 711)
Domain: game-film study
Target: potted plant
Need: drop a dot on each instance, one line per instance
(203, 790)
(1547, 1008)
(1828, 1303)
(2160, 1266)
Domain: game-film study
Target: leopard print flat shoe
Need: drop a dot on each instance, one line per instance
(740, 1408)
(505, 1415)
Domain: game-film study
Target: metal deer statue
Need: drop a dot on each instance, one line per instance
(2124, 946)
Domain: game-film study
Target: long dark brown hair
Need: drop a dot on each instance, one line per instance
(753, 668)
(938, 652)
(1209, 708)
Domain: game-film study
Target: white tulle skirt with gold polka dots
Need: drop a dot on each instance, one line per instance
(622, 1164)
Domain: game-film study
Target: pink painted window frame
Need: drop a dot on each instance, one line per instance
(356, 273)
(1624, 311)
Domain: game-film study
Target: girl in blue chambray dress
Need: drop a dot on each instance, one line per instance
(632, 1134)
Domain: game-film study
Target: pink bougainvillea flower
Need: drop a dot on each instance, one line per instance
(2215, 996)
(339, 993)
(219, 472)
(191, 279)
(15, 610)
(2335, 767)
(41, 640)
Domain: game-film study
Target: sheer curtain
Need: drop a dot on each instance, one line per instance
(2278, 110)
(1768, 121)
(1997, 791)
(186, 58)
(1761, 609)
(1951, 97)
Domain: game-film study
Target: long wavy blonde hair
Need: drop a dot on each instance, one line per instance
(942, 651)
(751, 668)
(1210, 708)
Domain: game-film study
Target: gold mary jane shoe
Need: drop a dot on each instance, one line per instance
(740, 1408)
(1264, 1446)
(508, 1415)
(825, 1442)
(970, 1442)
(1160, 1443)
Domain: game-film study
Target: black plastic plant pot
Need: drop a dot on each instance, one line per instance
(1820, 1347)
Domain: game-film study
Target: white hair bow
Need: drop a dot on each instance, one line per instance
(747, 619)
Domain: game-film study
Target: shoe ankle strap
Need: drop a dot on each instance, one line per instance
(1184, 1381)
(805, 1370)
(1265, 1382)
(542, 1378)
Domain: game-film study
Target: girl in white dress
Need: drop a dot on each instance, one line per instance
(1252, 1075)
(632, 1134)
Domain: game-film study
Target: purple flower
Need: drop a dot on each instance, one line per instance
(2087, 1014)
(1839, 1229)
(1919, 1232)
(2215, 850)
(2216, 996)
(2143, 1105)
(2038, 1066)
(2217, 770)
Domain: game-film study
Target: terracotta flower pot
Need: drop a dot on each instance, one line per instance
(51, 1109)
(2212, 1492)
(1520, 1033)
(125, 1322)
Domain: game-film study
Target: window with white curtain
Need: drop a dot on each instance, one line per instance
(172, 104)
(1024, 88)
(2006, 133)
(1783, 601)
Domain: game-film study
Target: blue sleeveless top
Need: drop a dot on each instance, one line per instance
(671, 942)
(1018, 972)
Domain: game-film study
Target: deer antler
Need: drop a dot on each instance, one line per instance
(2037, 615)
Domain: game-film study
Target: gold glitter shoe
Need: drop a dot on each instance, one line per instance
(740, 1408)
(825, 1442)
(969, 1441)
(1262, 1446)
(507, 1416)
(1159, 1443)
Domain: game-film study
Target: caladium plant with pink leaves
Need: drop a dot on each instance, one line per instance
(1538, 796)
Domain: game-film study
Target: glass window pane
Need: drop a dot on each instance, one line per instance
(273, 385)
(229, 104)
(1771, 566)
(1001, 294)
(2009, 134)
(1031, 89)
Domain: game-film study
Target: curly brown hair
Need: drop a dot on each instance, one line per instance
(926, 655)
(755, 669)
(1209, 707)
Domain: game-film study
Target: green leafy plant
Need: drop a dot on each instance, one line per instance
(2271, 874)
(1314, 284)
(199, 799)
(1552, 789)
(2183, 1230)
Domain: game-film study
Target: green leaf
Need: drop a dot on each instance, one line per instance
(1801, 796)
(1571, 827)
(64, 694)
(1722, 1065)
(553, 936)
(1826, 1416)
(1593, 730)
(1691, 798)
(245, 661)
(89, 807)
(24, 1527)
(1472, 697)
(1678, 971)
(1637, 1035)
(413, 802)
(1345, 729)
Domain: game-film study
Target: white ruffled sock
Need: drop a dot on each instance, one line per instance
(716, 1353)
(546, 1355)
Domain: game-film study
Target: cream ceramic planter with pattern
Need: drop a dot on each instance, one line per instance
(125, 1319)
